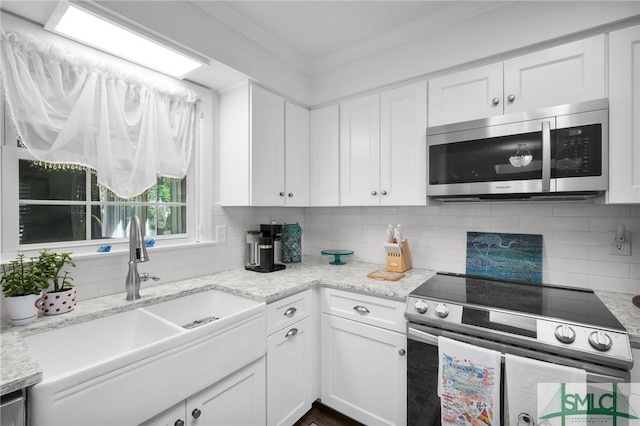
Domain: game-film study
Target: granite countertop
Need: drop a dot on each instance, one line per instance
(621, 305)
(18, 369)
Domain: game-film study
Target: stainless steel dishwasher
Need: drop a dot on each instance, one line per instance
(12, 409)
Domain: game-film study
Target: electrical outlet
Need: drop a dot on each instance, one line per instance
(221, 233)
(621, 248)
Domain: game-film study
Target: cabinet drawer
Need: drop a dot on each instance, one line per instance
(284, 312)
(363, 308)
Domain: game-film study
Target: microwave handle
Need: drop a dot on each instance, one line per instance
(546, 156)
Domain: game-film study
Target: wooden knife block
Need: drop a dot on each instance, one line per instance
(400, 263)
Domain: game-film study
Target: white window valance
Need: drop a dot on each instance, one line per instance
(72, 108)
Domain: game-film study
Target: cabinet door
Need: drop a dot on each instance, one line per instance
(569, 73)
(291, 368)
(267, 148)
(360, 151)
(237, 400)
(624, 107)
(296, 155)
(403, 146)
(466, 95)
(363, 371)
(174, 416)
(324, 155)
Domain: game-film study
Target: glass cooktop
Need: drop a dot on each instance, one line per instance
(543, 300)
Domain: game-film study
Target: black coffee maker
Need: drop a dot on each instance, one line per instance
(261, 248)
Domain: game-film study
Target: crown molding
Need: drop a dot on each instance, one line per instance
(456, 12)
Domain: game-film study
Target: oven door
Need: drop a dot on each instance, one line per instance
(423, 403)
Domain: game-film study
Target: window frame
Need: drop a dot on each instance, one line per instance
(198, 205)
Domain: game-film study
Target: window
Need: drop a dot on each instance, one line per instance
(53, 205)
(65, 203)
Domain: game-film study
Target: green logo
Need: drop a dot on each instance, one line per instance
(600, 404)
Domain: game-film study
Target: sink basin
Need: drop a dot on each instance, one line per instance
(100, 369)
(202, 309)
(79, 346)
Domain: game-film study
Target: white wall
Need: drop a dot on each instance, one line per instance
(575, 237)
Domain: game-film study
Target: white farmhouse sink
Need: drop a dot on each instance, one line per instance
(126, 368)
(80, 346)
(202, 309)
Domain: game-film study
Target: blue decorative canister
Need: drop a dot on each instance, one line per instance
(291, 243)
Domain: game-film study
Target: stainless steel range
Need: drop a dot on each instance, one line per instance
(561, 325)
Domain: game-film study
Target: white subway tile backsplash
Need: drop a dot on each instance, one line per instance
(491, 222)
(586, 266)
(561, 250)
(465, 210)
(531, 223)
(507, 209)
(575, 237)
(634, 271)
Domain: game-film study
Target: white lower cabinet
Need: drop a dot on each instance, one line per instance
(290, 371)
(239, 399)
(292, 358)
(363, 367)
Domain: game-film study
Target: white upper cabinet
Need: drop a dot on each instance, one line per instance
(569, 73)
(564, 74)
(264, 155)
(403, 145)
(466, 95)
(624, 116)
(267, 148)
(324, 154)
(382, 148)
(360, 151)
(296, 148)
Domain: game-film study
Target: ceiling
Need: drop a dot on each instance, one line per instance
(317, 35)
(311, 35)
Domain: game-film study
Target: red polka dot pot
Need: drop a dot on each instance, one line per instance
(59, 302)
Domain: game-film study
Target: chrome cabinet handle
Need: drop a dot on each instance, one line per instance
(402, 352)
(546, 156)
(179, 422)
(291, 333)
(361, 309)
(384, 192)
(495, 101)
(196, 413)
(374, 193)
(511, 98)
(282, 194)
(290, 312)
(290, 195)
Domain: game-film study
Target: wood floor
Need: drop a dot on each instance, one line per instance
(321, 415)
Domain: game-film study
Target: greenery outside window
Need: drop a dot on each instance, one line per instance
(65, 203)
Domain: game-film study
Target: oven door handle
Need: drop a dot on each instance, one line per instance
(421, 336)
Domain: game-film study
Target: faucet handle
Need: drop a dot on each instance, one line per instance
(145, 276)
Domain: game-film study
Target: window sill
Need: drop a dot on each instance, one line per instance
(117, 249)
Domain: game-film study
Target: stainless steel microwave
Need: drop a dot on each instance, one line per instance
(558, 152)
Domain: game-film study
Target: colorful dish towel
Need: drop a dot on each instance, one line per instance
(469, 384)
(521, 386)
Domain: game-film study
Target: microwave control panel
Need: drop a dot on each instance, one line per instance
(578, 152)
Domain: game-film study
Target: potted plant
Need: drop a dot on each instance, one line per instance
(61, 297)
(22, 286)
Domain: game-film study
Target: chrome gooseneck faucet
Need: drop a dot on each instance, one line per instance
(137, 254)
